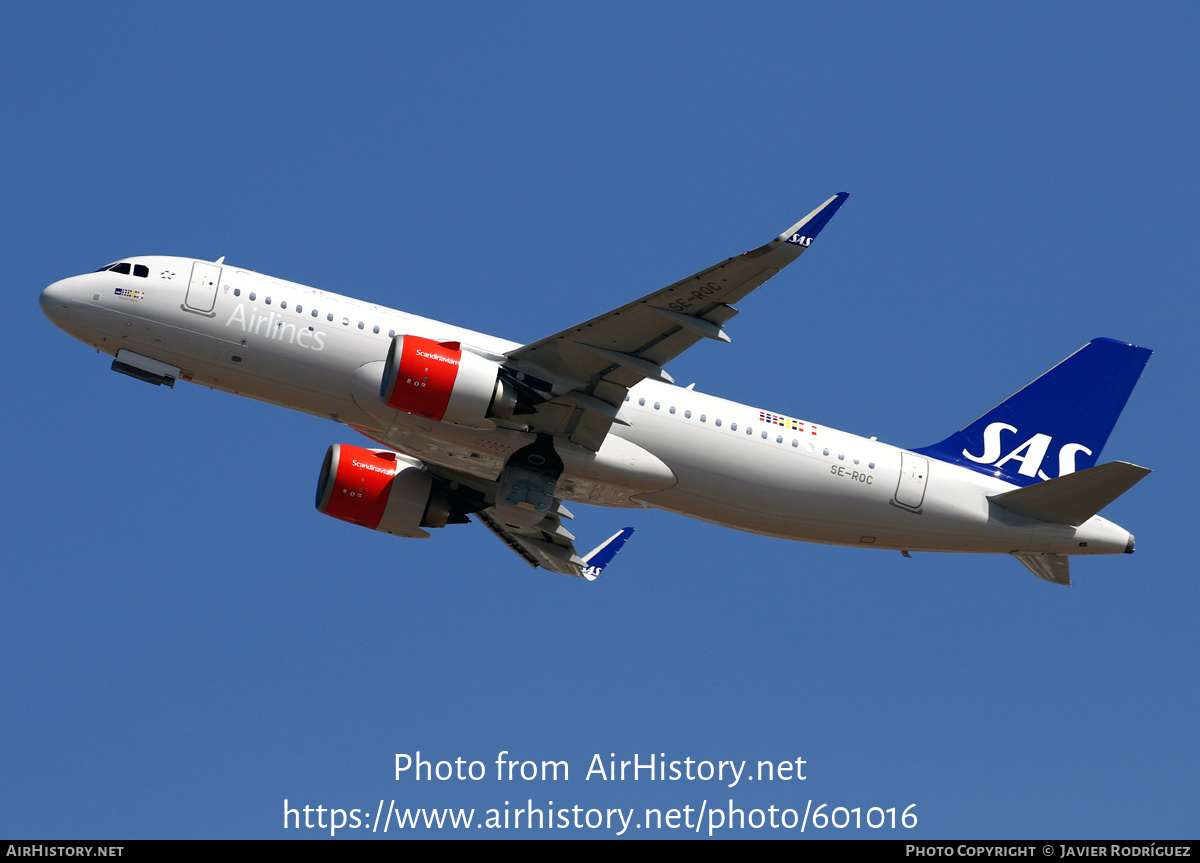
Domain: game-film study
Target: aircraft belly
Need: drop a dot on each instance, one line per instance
(620, 471)
(472, 451)
(611, 477)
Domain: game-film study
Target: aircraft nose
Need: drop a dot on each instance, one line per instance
(55, 301)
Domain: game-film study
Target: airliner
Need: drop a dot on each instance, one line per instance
(464, 424)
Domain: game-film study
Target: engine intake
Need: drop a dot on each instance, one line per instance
(441, 381)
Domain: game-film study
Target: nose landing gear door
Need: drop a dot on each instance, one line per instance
(202, 289)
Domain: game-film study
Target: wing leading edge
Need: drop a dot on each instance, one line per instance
(584, 372)
(579, 377)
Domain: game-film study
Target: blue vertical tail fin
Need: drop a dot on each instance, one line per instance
(1054, 426)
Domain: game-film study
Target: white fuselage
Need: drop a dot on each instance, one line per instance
(684, 452)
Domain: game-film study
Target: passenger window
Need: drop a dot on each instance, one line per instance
(252, 295)
(732, 426)
(718, 423)
(656, 405)
(329, 317)
(703, 418)
(672, 408)
(392, 335)
(376, 330)
(825, 451)
(314, 313)
(687, 415)
(641, 402)
(282, 304)
(345, 322)
(267, 301)
(795, 442)
(237, 292)
(360, 325)
(871, 465)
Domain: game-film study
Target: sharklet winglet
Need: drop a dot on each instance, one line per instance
(602, 555)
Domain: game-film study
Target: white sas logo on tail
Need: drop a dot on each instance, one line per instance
(1030, 454)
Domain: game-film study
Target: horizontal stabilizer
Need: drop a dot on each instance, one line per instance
(1074, 498)
(1054, 568)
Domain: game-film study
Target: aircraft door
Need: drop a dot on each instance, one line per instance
(202, 289)
(914, 475)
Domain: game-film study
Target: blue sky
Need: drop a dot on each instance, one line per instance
(188, 642)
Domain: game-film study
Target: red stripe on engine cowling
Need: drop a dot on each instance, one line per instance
(425, 377)
(362, 483)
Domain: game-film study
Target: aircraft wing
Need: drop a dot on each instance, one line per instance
(547, 544)
(582, 374)
(551, 546)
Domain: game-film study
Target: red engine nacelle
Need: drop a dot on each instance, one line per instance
(377, 490)
(441, 381)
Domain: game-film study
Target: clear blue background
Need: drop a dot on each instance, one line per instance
(186, 642)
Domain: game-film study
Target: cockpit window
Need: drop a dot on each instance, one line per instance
(123, 267)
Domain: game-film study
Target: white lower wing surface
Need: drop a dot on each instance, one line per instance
(551, 546)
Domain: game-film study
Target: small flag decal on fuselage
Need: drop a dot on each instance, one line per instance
(786, 422)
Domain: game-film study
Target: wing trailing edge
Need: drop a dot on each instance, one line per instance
(603, 357)
(550, 546)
